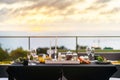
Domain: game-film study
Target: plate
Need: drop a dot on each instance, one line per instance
(61, 62)
(98, 62)
(115, 62)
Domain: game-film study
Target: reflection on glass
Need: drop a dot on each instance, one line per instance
(28, 56)
(88, 51)
(34, 55)
(92, 51)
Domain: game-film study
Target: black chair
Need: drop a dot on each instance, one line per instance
(117, 73)
(33, 73)
(3, 73)
(88, 73)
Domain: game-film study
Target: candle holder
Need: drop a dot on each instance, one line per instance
(55, 54)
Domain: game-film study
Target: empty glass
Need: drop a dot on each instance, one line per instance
(28, 57)
(88, 51)
(92, 53)
(34, 55)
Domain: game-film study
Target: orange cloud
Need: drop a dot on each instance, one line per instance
(59, 12)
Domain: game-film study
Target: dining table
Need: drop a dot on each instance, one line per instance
(42, 71)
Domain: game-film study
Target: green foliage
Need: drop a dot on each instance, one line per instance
(20, 59)
(62, 47)
(82, 47)
(100, 58)
(44, 50)
(108, 48)
(97, 48)
(3, 54)
(41, 50)
(19, 52)
(5, 62)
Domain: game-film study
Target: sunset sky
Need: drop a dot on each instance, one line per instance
(60, 15)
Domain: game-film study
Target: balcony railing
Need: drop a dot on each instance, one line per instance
(70, 42)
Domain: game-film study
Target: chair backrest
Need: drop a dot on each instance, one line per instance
(3, 72)
(34, 73)
(88, 73)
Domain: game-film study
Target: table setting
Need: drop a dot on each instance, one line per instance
(63, 58)
(70, 65)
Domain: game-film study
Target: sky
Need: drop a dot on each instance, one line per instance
(60, 18)
(70, 17)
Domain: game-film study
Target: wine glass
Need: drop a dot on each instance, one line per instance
(93, 52)
(34, 55)
(88, 51)
(28, 57)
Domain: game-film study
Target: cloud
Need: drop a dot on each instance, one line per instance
(14, 1)
(58, 11)
(7, 11)
(102, 1)
(52, 6)
(39, 8)
(8, 1)
(4, 14)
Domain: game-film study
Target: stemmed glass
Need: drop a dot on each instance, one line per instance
(93, 52)
(28, 56)
(55, 55)
(88, 51)
(34, 55)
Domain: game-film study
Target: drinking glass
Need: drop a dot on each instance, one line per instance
(92, 53)
(92, 50)
(88, 51)
(34, 55)
(28, 57)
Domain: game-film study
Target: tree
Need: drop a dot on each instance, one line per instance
(97, 48)
(3, 54)
(62, 47)
(108, 48)
(41, 50)
(83, 47)
(19, 52)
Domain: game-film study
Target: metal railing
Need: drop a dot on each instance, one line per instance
(75, 37)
